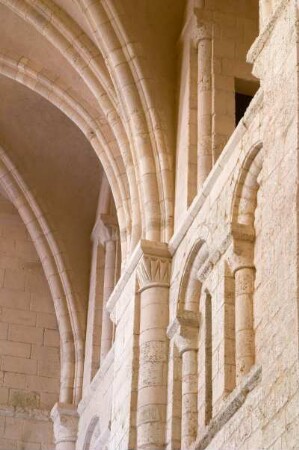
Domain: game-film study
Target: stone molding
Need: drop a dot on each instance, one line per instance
(184, 331)
(65, 418)
(231, 405)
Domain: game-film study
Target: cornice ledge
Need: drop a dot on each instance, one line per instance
(263, 37)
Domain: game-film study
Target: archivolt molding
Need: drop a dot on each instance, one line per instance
(241, 252)
(153, 159)
(244, 196)
(23, 72)
(82, 54)
(65, 301)
(93, 430)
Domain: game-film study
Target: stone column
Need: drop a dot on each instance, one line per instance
(244, 288)
(203, 42)
(65, 418)
(185, 332)
(153, 275)
(109, 241)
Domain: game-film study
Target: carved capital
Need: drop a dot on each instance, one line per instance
(154, 265)
(105, 229)
(65, 418)
(240, 255)
(203, 28)
(153, 271)
(184, 331)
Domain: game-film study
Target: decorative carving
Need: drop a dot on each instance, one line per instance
(105, 229)
(153, 271)
(65, 418)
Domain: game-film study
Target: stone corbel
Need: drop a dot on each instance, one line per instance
(65, 419)
(184, 331)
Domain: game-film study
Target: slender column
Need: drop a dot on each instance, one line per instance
(109, 283)
(153, 275)
(65, 418)
(203, 41)
(185, 330)
(244, 280)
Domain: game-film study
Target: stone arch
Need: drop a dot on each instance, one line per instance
(63, 33)
(189, 290)
(69, 325)
(244, 198)
(241, 258)
(150, 190)
(148, 139)
(23, 73)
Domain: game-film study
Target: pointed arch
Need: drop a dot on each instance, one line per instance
(152, 156)
(52, 260)
(117, 159)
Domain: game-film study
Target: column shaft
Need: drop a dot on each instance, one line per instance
(109, 281)
(189, 398)
(244, 279)
(152, 386)
(204, 96)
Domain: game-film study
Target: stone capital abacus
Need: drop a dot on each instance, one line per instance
(154, 266)
(240, 255)
(184, 331)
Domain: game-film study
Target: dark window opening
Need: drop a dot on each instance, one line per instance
(244, 93)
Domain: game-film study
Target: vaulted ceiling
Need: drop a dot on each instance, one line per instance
(65, 114)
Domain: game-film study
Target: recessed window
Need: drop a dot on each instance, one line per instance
(244, 93)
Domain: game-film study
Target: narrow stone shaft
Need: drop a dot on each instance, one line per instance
(189, 397)
(244, 278)
(109, 281)
(204, 98)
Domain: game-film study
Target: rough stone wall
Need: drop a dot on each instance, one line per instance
(29, 341)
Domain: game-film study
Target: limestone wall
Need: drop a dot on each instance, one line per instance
(29, 341)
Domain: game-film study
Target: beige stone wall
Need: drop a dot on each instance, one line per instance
(29, 340)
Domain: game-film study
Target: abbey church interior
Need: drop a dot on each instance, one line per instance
(149, 225)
